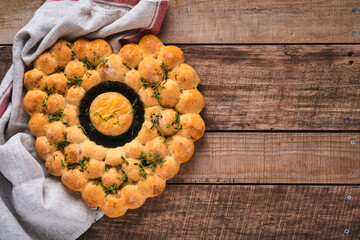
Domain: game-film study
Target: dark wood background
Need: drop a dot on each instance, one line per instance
(280, 158)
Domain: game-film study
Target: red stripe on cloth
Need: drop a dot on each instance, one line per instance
(112, 5)
(61, 0)
(129, 2)
(4, 104)
(7, 88)
(160, 16)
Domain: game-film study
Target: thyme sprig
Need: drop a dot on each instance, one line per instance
(97, 113)
(102, 60)
(74, 80)
(86, 64)
(72, 165)
(56, 116)
(73, 55)
(43, 104)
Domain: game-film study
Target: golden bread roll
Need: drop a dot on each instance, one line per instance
(132, 169)
(152, 186)
(147, 133)
(114, 156)
(132, 196)
(169, 93)
(93, 150)
(90, 79)
(112, 69)
(71, 114)
(74, 152)
(55, 164)
(94, 169)
(61, 52)
(152, 112)
(146, 96)
(93, 194)
(112, 177)
(155, 149)
(46, 63)
(74, 95)
(98, 50)
(169, 122)
(75, 69)
(37, 124)
(114, 206)
(180, 148)
(171, 56)
(81, 48)
(57, 83)
(35, 79)
(151, 71)
(185, 76)
(193, 126)
(133, 149)
(131, 55)
(74, 179)
(75, 134)
(150, 45)
(55, 132)
(34, 101)
(168, 169)
(191, 101)
(43, 147)
(133, 80)
(55, 103)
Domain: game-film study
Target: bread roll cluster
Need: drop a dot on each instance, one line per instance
(121, 178)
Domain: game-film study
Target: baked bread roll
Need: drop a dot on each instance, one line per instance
(114, 126)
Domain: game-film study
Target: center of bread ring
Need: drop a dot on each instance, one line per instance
(111, 113)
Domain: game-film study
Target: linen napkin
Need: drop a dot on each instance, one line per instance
(34, 204)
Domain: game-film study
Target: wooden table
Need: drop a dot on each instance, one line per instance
(280, 157)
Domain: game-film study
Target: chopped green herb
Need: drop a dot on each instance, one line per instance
(124, 160)
(81, 163)
(43, 104)
(82, 128)
(102, 60)
(74, 81)
(145, 84)
(70, 45)
(63, 143)
(86, 63)
(55, 116)
(97, 113)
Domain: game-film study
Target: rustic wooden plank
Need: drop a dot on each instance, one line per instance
(273, 158)
(231, 21)
(274, 87)
(279, 87)
(5, 60)
(239, 212)
(14, 15)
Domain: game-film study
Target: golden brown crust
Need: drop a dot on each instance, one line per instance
(94, 151)
(169, 168)
(114, 206)
(46, 63)
(33, 101)
(55, 164)
(152, 112)
(81, 48)
(74, 153)
(57, 83)
(169, 94)
(133, 80)
(91, 79)
(93, 195)
(55, 104)
(133, 149)
(191, 101)
(150, 70)
(74, 69)
(71, 114)
(43, 147)
(193, 126)
(168, 123)
(75, 134)
(37, 124)
(55, 132)
(150, 45)
(152, 186)
(113, 156)
(112, 69)
(34, 79)
(133, 197)
(74, 179)
(61, 52)
(171, 56)
(147, 133)
(185, 76)
(132, 170)
(131, 55)
(156, 148)
(180, 148)
(94, 169)
(98, 50)
(146, 96)
(74, 95)
(111, 177)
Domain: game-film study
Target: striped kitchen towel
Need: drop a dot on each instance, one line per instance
(34, 205)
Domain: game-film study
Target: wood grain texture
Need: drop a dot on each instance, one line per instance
(239, 212)
(14, 15)
(274, 87)
(273, 158)
(231, 21)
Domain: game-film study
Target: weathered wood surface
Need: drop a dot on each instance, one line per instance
(227, 157)
(274, 87)
(239, 212)
(231, 21)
